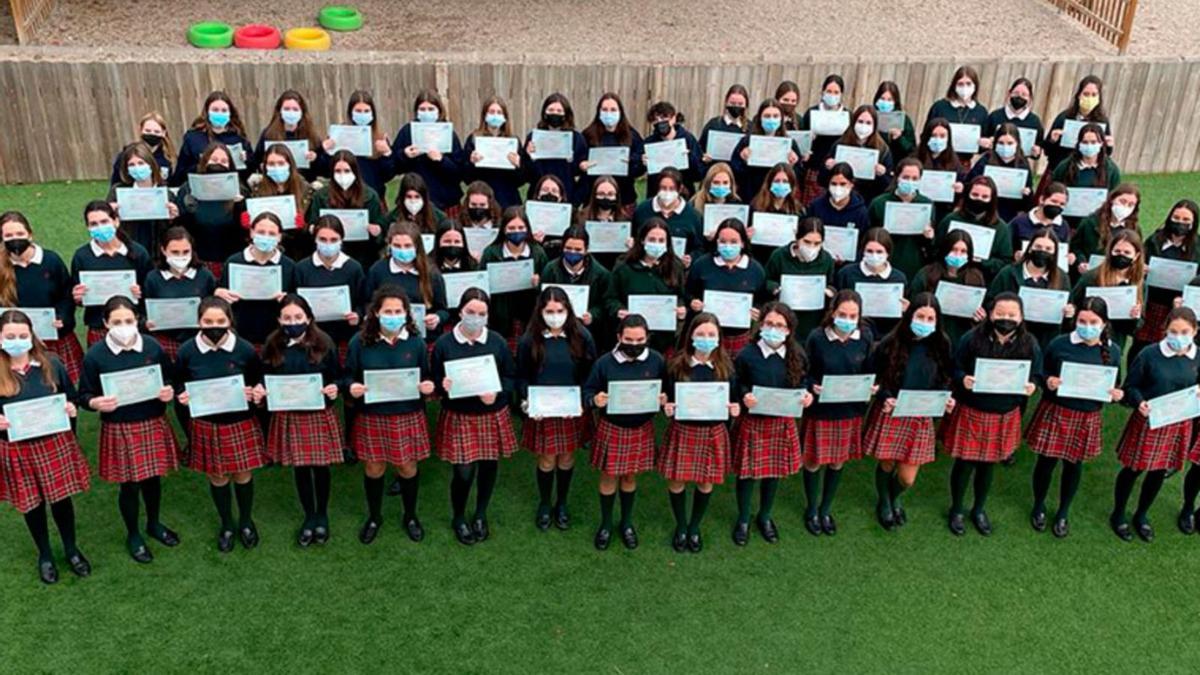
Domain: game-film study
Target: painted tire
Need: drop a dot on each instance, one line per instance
(340, 17)
(312, 39)
(257, 36)
(210, 35)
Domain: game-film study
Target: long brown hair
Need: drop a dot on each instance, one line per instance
(764, 200)
(970, 275)
(304, 128)
(483, 129)
(479, 188)
(316, 342)
(1105, 217)
(1053, 273)
(595, 131)
(1136, 272)
(702, 196)
(590, 211)
(371, 332)
(353, 197)
(572, 329)
(364, 96)
(948, 160)
(295, 185)
(144, 153)
(669, 267)
(796, 361)
(10, 385)
(168, 146)
(235, 120)
(1076, 157)
(850, 137)
(423, 219)
(897, 345)
(8, 276)
(420, 263)
(680, 368)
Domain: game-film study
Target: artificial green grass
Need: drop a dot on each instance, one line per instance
(914, 600)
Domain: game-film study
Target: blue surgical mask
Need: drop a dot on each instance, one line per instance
(265, 242)
(1006, 150)
(404, 255)
(921, 329)
(140, 172)
(475, 322)
(494, 120)
(516, 238)
(427, 115)
(655, 249)
(291, 117)
(706, 345)
(719, 191)
(609, 118)
(845, 325)
(1179, 343)
(875, 259)
(392, 323)
(884, 105)
(16, 346)
(905, 187)
(218, 119)
(781, 190)
(955, 261)
(773, 336)
(937, 144)
(1088, 332)
(103, 233)
(1089, 150)
(729, 252)
(771, 124)
(279, 174)
(362, 118)
(329, 249)
(831, 100)
(573, 258)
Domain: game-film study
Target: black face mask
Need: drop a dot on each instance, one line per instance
(1039, 258)
(606, 204)
(976, 207)
(1005, 327)
(735, 111)
(1120, 262)
(215, 168)
(632, 351)
(1174, 228)
(452, 252)
(477, 214)
(554, 119)
(214, 334)
(787, 108)
(547, 197)
(1018, 102)
(294, 330)
(151, 139)
(1051, 211)
(17, 246)
(662, 128)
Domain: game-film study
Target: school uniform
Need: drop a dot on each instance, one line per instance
(1025, 119)
(853, 214)
(763, 446)
(591, 274)
(638, 278)
(869, 188)
(722, 122)
(695, 452)
(256, 319)
(509, 314)
(1023, 226)
(306, 438)
(374, 171)
(710, 273)
(296, 241)
(1157, 371)
(1056, 152)
(785, 261)
(1085, 242)
(682, 221)
(558, 368)
(318, 167)
(393, 432)
(91, 258)
(954, 326)
(750, 179)
(144, 232)
(442, 177)
(136, 441)
(626, 188)
(1069, 428)
(387, 272)
(1088, 176)
(161, 162)
(909, 251)
(1001, 253)
(1121, 328)
(469, 430)
(692, 173)
(858, 273)
(907, 440)
(906, 144)
(192, 147)
(1160, 301)
(45, 282)
(566, 170)
(505, 183)
(365, 252)
(216, 227)
(1016, 276)
(760, 252)
(811, 187)
(831, 433)
(624, 444)
(955, 112)
(1007, 208)
(311, 272)
(196, 282)
(48, 469)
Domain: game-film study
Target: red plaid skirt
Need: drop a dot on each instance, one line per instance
(67, 349)
(732, 344)
(694, 453)
(765, 447)
(343, 349)
(1065, 434)
(308, 438)
(42, 470)
(556, 435)
(136, 451)
(1154, 322)
(463, 438)
(908, 440)
(220, 449)
(810, 187)
(1144, 449)
(170, 346)
(217, 268)
(1193, 454)
(394, 439)
(515, 334)
(980, 436)
(621, 451)
(831, 441)
(95, 335)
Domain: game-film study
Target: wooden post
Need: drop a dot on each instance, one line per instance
(1126, 26)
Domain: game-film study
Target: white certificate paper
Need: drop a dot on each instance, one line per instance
(965, 137)
(1120, 299)
(103, 285)
(173, 313)
(1170, 274)
(773, 229)
(1001, 376)
(938, 186)
(133, 385)
(959, 299)
(510, 276)
(720, 145)
(214, 187)
(842, 243)
(577, 294)
(802, 292)
(549, 217)
(731, 309)
(907, 218)
(1043, 305)
(657, 310)
(299, 150)
(474, 376)
(778, 402)
(352, 137)
(608, 237)
(283, 206)
(829, 122)
(551, 145)
(457, 283)
(679, 246)
(1082, 202)
(354, 222)
(1028, 140)
(881, 300)
(982, 237)
(1071, 129)
(390, 385)
(418, 316)
(328, 303)
(767, 151)
(1174, 407)
(891, 120)
(920, 403)
(846, 388)
(37, 417)
(1191, 297)
(862, 160)
(217, 395)
(666, 154)
(255, 282)
(633, 397)
(495, 151)
(135, 203)
(1087, 381)
(608, 161)
(479, 238)
(554, 401)
(715, 214)
(701, 401)
(295, 392)
(1010, 183)
(42, 318)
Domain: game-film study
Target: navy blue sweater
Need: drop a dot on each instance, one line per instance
(307, 274)
(442, 177)
(200, 286)
(193, 145)
(834, 357)
(380, 355)
(32, 385)
(85, 260)
(557, 367)
(191, 365)
(99, 359)
(295, 362)
(607, 369)
(565, 170)
(447, 348)
(46, 285)
(255, 319)
(1061, 349)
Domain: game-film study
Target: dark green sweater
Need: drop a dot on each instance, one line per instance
(909, 251)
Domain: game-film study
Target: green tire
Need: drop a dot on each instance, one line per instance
(210, 35)
(340, 18)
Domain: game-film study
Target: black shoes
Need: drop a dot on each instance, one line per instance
(602, 539)
(480, 529)
(1120, 528)
(141, 554)
(542, 520)
(306, 536)
(369, 531)
(47, 572)
(680, 541)
(1061, 528)
(1187, 522)
(768, 530)
(958, 526)
(899, 515)
(79, 565)
(463, 533)
(1037, 520)
(694, 543)
(741, 534)
(562, 519)
(828, 525)
(249, 536)
(414, 529)
(321, 534)
(225, 541)
(982, 523)
(885, 515)
(813, 525)
(629, 538)
(1145, 532)
(163, 534)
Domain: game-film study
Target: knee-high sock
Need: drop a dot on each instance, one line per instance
(812, 488)
(606, 511)
(960, 475)
(744, 491)
(35, 520)
(679, 510)
(699, 506)
(1150, 487)
(770, 487)
(983, 485)
(127, 503)
(1043, 473)
(895, 489)
(64, 517)
(460, 489)
(1121, 492)
(321, 483)
(244, 492)
(833, 477)
(545, 486)
(488, 469)
(883, 490)
(304, 490)
(1191, 488)
(408, 495)
(373, 488)
(152, 498)
(563, 476)
(222, 496)
(1071, 474)
(627, 508)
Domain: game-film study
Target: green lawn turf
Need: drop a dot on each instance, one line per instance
(916, 600)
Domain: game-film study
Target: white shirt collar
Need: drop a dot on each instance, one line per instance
(621, 358)
(226, 344)
(117, 349)
(969, 105)
(1057, 220)
(248, 256)
(679, 207)
(767, 351)
(462, 339)
(832, 336)
(1026, 275)
(509, 255)
(39, 254)
(693, 362)
(338, 262)
(189, 273)
(450, 264)
(401, 336)
(1168, 352)
(742, 263)
(550, 336)
(122, 249)
(885, 273)
(729, 120)
(397, 269)
(1013, 114)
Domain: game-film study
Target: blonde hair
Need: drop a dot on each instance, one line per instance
(167, 145)
(702, 197)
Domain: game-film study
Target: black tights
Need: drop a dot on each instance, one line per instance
(1043, 474)
(960, 475)
(460, 487)
(312, 486)
(127, 501)
(1124, 489)
(63, 512)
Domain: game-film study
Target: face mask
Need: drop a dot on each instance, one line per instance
(884, 105)
(151, 139)
(214, 334)
(392, 323)
(831, 100)
(666, 197)
(606, 204)
(573, 258)
(1179, 343)
(863, 130)
(494, 120)
(554, 320)
(631, 351)
(452, 252)
(548, 197)
(1089, 150)
(294, 330)
(705, 345)
(1088, 103)
(362, 118)
(1174, 228)
(1006, 151)
(103, 233)
(807, 253)
(414, 206)
(729, 252)
(609, 118)
(936, 144)
(427, 116)
(290, 117)
(655, 249)
(965, 91)
(1039, 258)
(125, 333)
(1005, 326)
(516, 238)
(404, 255)
(662, 128)
(922, 329)
(788, 108)
(845, 326)
(17, 246)
(781, 190)
(976, 207)
(771, 124)
(279, 174)
(218, 119)
(735, 111)
(344, 179)
(719, 191)
(215, 168)
(906, 188)
(1120, 262)
(875, 260)
(839, 192)
(140, 172)
(478, 214)
(475, 322)
(1088, 332)
(773, 336)
(955, 261)
(1017, 102)
(265, 242)
(554, 119)
(179, 263)
(329, 249)
(1121, 211)
(16, 346)
(1051, 211)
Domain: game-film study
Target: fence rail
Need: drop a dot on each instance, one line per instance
(1110, 19)
(29, 16)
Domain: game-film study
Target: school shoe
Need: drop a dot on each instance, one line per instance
(369, 531)
(1145, 532)
(414, 529)
(602, 539)
(957, 524)
(1121, 529)
(141, 554)
(306, 535)
(542, 519)
(885, 516)
(899, 515)
(1187, 522)
(396, 487)
(1037, 520)
(163, 534)
(1061, 528)
(480, 528)
(813, 525)
(768, 530)
(562, 519)
(463, 533)
(249, 536)
(694, 543)
(47, 572)
(629, 538)
(982, 523)
(79, 565)
(321, 532)
(828, 525)
(225, 541)
(741, 534)
(680, 541)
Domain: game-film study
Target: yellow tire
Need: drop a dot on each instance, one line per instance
(311, 39)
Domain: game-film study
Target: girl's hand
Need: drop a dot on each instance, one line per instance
(979, 315)
(894, 133)
(59, 324)
(697, 305)
(680, 312)
(77, 293)
(1055, 135)
(351, 318)
(734, 410)
(514, 159)
(1177, 302)
(227, 295)
(72, 411)
(426, 387)
(1116, 395)
(476, 157)
(151, 326)
(950, 403)
(584, 166)
(1083, 267)
(929, 232)
(985, 143)
(1068, 310)
(248, 392)
(816, 389)
(136, 290)
(622, 313)
(745, 154)
(669, 410)
(793, 157)
(104, 404)
(412, 151)
(687, 260)
(586, 318)
(382, 148)
(1144, 408)
(1136, 311)
(969, 382)
(904, 303)
(537, 278)
(1052, 383)
(1026, 191)
(446, 384)
(278, 297)
(755, 314)
(172, 211)
(806, 399)
(958, 188)
(1030, 388)
(4, 425)
(706, 158)
(328, 145)
(259, 393)
(829, 163)
(166, 394)
(432, 321)
(880, 169)
(357, 390)
(488, 398)
(1037, 152)
(374, 230)
(435, 155)
(874, 389)
(330, 391)
(889, 405)
(530, 148)
(749, 400)
(183, 398)
(310, 156)
(601, 399)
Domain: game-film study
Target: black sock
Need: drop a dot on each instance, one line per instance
(812, 483)
(895, 489)
(244, 492)
(64, 517)
(679, 509)
(127, 503)
(1191, 488)
(304, 490)
(606, 510)
(321, 481)
(152, 498)
(833, 477)
(373, 487)
(745, 491)
(960, 475)
(882, 487)
(699, 506)
(983, 485)
(1150, 487)
(1121, 492)
(35, 520)
(488, 469)
(460, 489)
(627, 508)
(1071, 473)
(770, 486)
(545, 486)
(1043, 473)
(408, 495)
(563, 477)
(222, 496)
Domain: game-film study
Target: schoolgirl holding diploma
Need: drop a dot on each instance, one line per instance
(1088, 165)
(1018, 111)
(256, 318)
(329, 267)
(766, 448)
(670, 204)
(768, 121)
(220, 122)
(911, 250)
(1006, 153)
(37, 278)
(479, 206)
(1091, 237)
(137, 445)
(309, 441)
(494, 122)
(875, 250)
(1124, 265)
(650, 267)
(378, 168)
(577, 267)
(215, 225)
(408, 267)
(349, 191)
(832, 89)
(954, 265)
(840, 205)
(609, 129)
(803, 257)
(1065, 427)
(902, 140)
(473, 432)
(1038, 268)
(1087, 106)
(1175, 239)
(666, 124)
(450, 252)
(604, 205)
(138, 170)
(108, 250)
(414, 205)
(557, 115)
(556, 351)
(152, 130)
(388, 431)
(624, 442)
(986, 428)
(863, 134)
(916, 355)
(290, 121)
(960, 106)
(441, 171)
(732, 270)
(1168, 367)
(831, 433)
(718, 187)
(779, 193)
(978, 205)
(513, 243)
(178, 275)
(936, 154)
(42, 471)
(732, 120)
(229, 446)
(1046, 214)
(282, 179)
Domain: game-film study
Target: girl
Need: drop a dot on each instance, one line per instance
(718, 187)
(450, 252)
(1018, 111)
(329, 267)
(669, 204)
(611, 128)
(1163, 369)
(577, 267)
(479, 207)
(37, 278)
(959, 105)
(1087, 165)
(152, 130)
(650, 267)
(788, 95)
(875, 252)
(1067, 428)
(1175, 239)
(955, 265)
(696, 452)
(1047, 214)
(226, 447)
(389, 431)
(137, 445)
(978, 206)
(1091, 237)
(911, 249)
(1124, 265)
(108, 250)
(902, 139)
(768, 121)
(219, 121)
(254, 316)
(137, 169)
(557, 115)
(624, 443)
(216, 226)
(805, 256)
(282, 179)
(407, 268)
(666, 124)
(831, 433)
(44, 470)
(1087, 106)
(914, 356)
(1037, 268)
(766, 448)
(935, 154)
(986, 428)
(473, 432)
(178, 275)
(494, 122)
(514, 243)
(732, 270)
(832, 89)
(862, 133)
(415, 206)
(840, 205)
(732, 120)
(290, 121)
(603, 205)
(441, 171)
(1006, 153)
(376, 169)
(349, 191)
(307, 441)
(556, 351)
(780, 193)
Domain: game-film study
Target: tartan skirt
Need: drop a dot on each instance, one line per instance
(42, 470)
(392, 439)
(68, 350)
(95, 335)
(1062, 433)
(979, 436)
(556, 435)
(622, 451)
(810, 186)
(694, 453)
(516, 332)
(1144, 449)
(170, 346)
(765, 447)
(1154, 322)
(215, 267)
(1193, 454)
(463, 438)
(831, 441)
(732, 344)
(234, 447)
(137, 451)
(305, 438)
(908, 440)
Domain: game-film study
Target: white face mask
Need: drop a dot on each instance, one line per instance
(666, 197)
(807, 253)
(179, 263)
(555, 320)
(345, 180)
(965, 91)
(1121, 211)
(124, 333)
(414, 206)
(839, 192)
(863, 130)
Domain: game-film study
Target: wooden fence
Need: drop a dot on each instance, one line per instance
(29, 17)
(67, 120)
(1110, 19)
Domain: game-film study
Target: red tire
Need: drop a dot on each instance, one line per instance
(257, 36)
